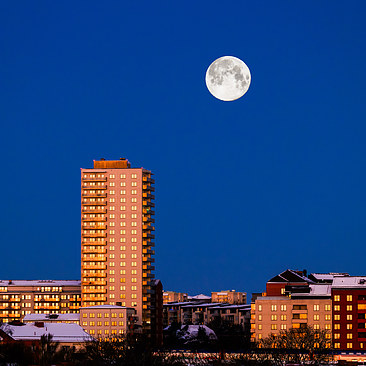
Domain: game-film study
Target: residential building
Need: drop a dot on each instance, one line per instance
(66, 335)
(349, 313)
(21, 297)
(106, 321)
(229, 297)
(117, 238)
(172, 296)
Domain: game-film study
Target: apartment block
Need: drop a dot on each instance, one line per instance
(229, 297)
(117, 238)
(106, 321)
(172, 296)
(349, 313)
(21, 297)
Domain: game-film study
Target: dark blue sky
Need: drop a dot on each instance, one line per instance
(244, 189)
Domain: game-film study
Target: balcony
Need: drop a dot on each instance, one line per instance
(97, 275)
(47, 307)
(94, 298)
(147, 211)
(147, 187)
(148, 219)
(93, 259)
(74, 307)
(94, 195)
(95, 179)
(148, 196)
(94, 219)
(148, 275)
(14, 299)
(94, 227)
(94, 283)
(94, 235)
(148, 243)
(148, 204)
(148, 227)
(96, 211)
(148, 268)
(148, 251)
(148, 180)
(148, 259)
(94, 203)
(95, 291)
(98, 251)
(13, 316)
(148, 236)
(88, 266)
(95, 243)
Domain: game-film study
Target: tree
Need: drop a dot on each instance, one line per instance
(47, 350)
(297, 345)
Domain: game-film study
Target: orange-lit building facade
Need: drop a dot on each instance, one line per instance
(21, 297)
(117, 228)
(229, 297)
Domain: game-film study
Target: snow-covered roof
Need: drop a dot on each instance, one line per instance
(39, 283)
(316, 290)
(61, 332)
(195, 305)
(51, 317)
(231, 306)
(350, 281)
(199, 297)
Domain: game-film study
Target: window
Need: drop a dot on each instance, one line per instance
(123, 184)
(349, 326)
(316, 316)
(337, 297)
(133, 256)
(283, 307)
(123, 255)
(337, 345)
(133, 271)
(123, 232)
(316, 308)
(134, 184)
(134, 288)
(123, 216)
(327, 326)
(134, 223)
(112, 216)
(133, 240)
(133, 176)
(259, 307)
(259, 326)
(123, 176)
(134, 208)
(283, 327)
(349, 316)
(274, 326)
(282, 291)
(283, 317)
(133, 247)
(349, 297)
(259, 317)
(123, 191)
(337, 308)
(349, 345)
(112, 192)
(327, 317)
(123, 208)
(133, 264)
(327, 307)
(123, 288)
(134, 191)
(133, 216)
(112, 176)
(133, 279)
(123, 200)
(316, 326)
(133, 232)
(337, 326)
(349, 307)
(273, 317)
(337, 317)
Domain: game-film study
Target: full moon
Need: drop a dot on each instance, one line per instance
(228, 78)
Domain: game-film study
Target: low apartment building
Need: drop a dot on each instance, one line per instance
(171, 296)
(349, 313)
(229, 297)
(21, 297)
(106, 321)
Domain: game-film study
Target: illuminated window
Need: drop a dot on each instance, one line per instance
(337, 308)
(328, 326)
(316, 316)
(134, 191)
(349, 335)
(337, 326)
(123, 288)
(133, 176)
(133, 264)
(327, 317)
(123, 200)
(133, 256)
(123, 216)
(123, 208)
(134, 184)
(316, 326)
(273, 317)
(123, 176)
(260, 317)
(349, 316)
(123, 184)
(283, 317)
(337, 345)
(349, 345)
(327, 307)
(122, 272)
(337, 317)
(122, 223)
(283, 307)
(133, 279)
(259, 307)
(337, 298)
(112, 176)
(123, 191)
(123, 255)
(316, 308)
(122, 264)
(133, 208)
(133, 199)
(349, 297)
(349, 326)
(274, 326)
(133, 216)
(274, 307)
(282, 291)
(123, 280)
(133, 240)
(349, 307)
(283, 326)
(112, 216)
(111, 232)
(133, 296)
(123, 232)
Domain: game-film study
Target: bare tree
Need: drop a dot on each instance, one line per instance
(297, 346)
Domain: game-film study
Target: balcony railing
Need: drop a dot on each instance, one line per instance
(87, 266)
(95, 179)
(96, 275)
(94, 283)
(94, 298)
(97, 251)
(94, 195)
(96, 219)
(95, 235)
(96, 211)
(95, 291)
(95, 243)
(93, 259)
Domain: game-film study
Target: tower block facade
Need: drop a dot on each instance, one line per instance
(117, 228)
